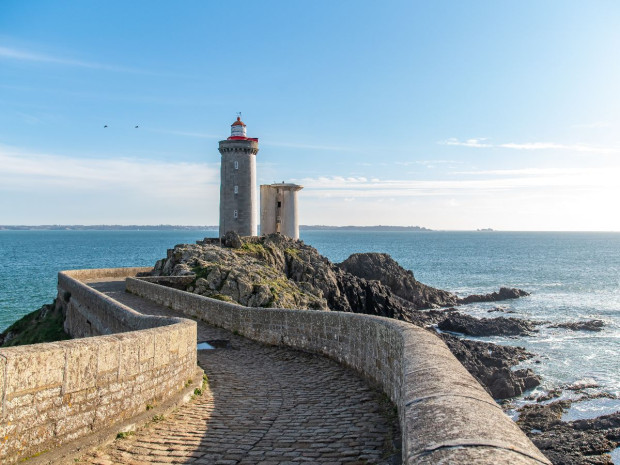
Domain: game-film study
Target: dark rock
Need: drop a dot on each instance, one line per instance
(575, 442)
(504, 293)
(542, 416)
(232, 239)
(472, 326)
(492, 364)
(381, 267)
(500, 309)
(590, 325)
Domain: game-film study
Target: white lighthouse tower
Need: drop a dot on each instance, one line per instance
(238, 199)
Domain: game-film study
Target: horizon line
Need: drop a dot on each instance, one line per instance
(326, 226)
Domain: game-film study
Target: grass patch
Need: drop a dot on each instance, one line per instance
(223, 297)
(291, 251)
(125, 434)
(258, 250)
(42, 325)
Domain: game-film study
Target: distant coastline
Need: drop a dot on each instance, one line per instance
(361, 228)
(104, 227)
(168, 227)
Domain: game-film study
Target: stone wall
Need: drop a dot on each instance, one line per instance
(445, 415)
(57, 392)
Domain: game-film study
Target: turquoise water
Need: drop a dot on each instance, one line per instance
(572, 276)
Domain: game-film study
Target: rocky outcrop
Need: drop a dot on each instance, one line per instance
(492, 365)
(471, 326)
(589, 325)
(383, 268)
(275, 271)
(504, 293)
(575, 442)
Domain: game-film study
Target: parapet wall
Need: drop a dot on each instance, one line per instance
(445, 415)
(57, 392)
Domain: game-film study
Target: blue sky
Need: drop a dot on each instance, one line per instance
(444, 114)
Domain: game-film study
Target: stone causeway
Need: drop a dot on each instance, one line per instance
(283, 386)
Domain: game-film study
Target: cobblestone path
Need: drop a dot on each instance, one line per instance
(264, 405)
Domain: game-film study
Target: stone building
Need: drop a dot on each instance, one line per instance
(278, 209)
(238, 202)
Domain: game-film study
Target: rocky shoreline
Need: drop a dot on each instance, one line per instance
(275, 271)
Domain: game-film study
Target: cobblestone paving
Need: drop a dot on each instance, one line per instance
(264, 405)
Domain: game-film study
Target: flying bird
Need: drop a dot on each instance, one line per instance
(105, 126)
(136, 127)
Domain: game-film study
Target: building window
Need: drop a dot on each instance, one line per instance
(236, 189)
(236, 214)
(236, 165)
(279, 204)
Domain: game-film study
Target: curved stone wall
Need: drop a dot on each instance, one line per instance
(56, 392)
(445, 415)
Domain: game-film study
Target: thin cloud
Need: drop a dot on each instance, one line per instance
(522, 171)
(480, 143)
(23, 170)
(504, 180)
(594, 125)
(34, 57)
(200, 135)
(334, 148)
(554, 146)
(263, 143)
(467, 143)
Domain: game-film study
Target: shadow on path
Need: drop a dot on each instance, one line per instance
(264, 405)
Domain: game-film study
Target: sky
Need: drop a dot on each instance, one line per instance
(444, 114)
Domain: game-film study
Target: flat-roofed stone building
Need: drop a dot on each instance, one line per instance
(278, 209)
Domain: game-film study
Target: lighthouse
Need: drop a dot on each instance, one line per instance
(238, 199)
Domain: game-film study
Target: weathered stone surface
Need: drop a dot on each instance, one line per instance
(383, 268)
(492, 364)
(462, 421)
(479, 455)
(504, 293)
(232, 239)
(589, 325)
(577, 442)
(472, 326)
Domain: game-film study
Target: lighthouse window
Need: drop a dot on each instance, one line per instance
(236, 165)
(236, 189)
(279, 204)
(236, 214)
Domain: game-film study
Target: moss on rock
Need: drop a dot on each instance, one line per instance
(43, 325)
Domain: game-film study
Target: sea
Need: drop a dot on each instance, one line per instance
(572, 276)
